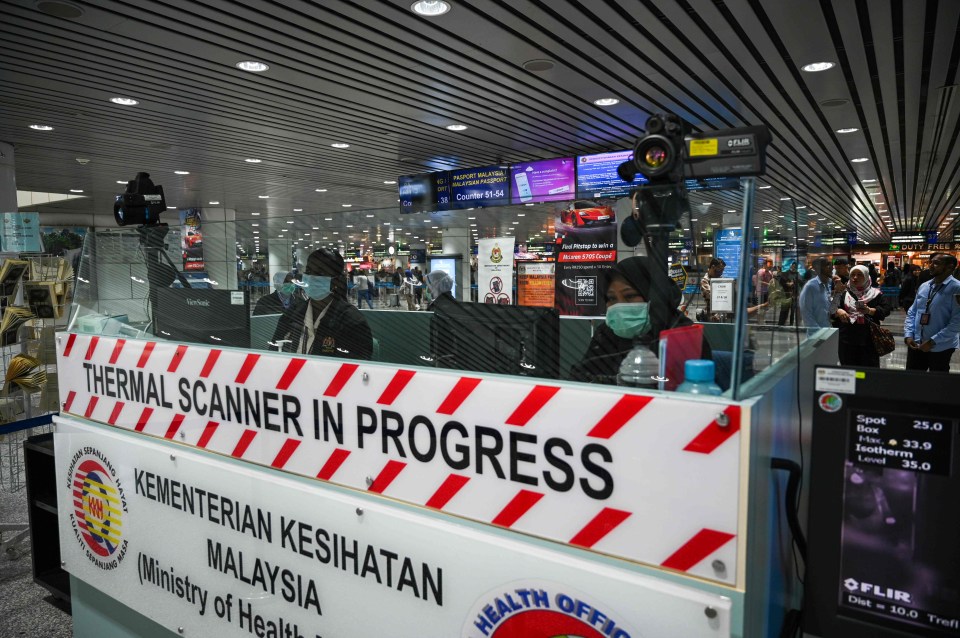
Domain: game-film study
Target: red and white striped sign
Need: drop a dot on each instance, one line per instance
(653, 480)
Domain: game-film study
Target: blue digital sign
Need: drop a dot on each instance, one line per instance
(727, 245)
(475, 187)
(424, 193)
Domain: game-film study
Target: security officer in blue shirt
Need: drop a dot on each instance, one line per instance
(932, 327)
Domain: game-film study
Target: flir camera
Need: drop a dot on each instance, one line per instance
(668, 154)
(141, 203)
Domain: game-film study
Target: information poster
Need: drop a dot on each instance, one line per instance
(728, 248)
(191, 240)
(597, 175)
(543, 181)
(425, 193)
(475, 187)
(584, 251)
(20, 233)
(899, 547)
(495, 270)
(535, 284)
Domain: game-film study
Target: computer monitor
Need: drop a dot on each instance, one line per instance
(215, 317)
(498, 339)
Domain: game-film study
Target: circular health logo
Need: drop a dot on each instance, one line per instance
(98, 508)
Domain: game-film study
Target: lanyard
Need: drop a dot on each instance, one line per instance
(933, 293)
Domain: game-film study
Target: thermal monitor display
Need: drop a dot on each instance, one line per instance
(543, 181)
(485, 186)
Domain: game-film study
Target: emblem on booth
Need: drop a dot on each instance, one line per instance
(99, 507)
(541, 609)
(496, 255)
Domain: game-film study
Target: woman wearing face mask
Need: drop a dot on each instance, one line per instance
(641, 302)
(326, 323)
(281, 299)
(861, 303)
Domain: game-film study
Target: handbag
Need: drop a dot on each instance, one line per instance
(883, 342)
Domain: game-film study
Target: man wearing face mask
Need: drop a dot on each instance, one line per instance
(641, 302)
(326, 323)
(281, 299)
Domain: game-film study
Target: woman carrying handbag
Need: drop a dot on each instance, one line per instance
(860, 306)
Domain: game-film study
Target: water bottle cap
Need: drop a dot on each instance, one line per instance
(699, 370)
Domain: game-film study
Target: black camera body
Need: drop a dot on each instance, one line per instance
(141, 203)
(668, 155)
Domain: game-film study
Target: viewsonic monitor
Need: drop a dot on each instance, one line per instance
(516, 340)
(214, 317)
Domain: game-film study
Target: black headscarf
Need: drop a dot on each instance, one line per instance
(661, 292)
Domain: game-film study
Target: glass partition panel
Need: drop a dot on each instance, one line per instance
(553, 291)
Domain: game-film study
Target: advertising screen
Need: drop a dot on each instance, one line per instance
(543, 181)
(484, 186)
(597, 175)
(427, 192)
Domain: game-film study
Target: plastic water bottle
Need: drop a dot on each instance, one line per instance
(640, 369)
(699, 378)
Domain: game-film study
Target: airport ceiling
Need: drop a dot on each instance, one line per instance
(522, 75)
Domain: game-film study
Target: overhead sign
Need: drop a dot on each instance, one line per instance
(543, 181)
(597, 175)
(426, 192)
(207, 548)
(486, 186)
(571, 464)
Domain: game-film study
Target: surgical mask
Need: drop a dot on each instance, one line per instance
(629, 320)
(287, 288)
(317, 287)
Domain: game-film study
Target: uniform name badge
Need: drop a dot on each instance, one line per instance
(924, 318)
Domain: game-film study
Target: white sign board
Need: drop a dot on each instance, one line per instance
(721, 295)
(495, 270)
(655, 480)
(209, 548)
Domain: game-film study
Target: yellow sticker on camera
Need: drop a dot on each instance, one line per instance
(699, 148)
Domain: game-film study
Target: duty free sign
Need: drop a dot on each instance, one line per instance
(648, 479)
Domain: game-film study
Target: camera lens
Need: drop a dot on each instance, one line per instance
(655, 157)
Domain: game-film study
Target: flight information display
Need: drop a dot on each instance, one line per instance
(424, 193)
(543, 181)
(597, 175)
(485, 186)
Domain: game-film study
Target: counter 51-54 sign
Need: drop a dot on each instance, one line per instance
(572, 464)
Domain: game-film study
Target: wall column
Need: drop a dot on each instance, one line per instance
(8, 182)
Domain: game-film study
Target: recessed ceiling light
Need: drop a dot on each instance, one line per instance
(456, 127)
(328, 219)
(252, 160)
(606, 101)
(121, 182)
(252, 66)
(763, 187)
(263, 196)
(346, 205)
(254, 213)
(857, 160)
(784, 199)
(76, 190)
(813, 67)
(430, 8)
(767, 210)
(847, 130)
(181, 172)
(340, 145)
(41, 127)
(370, 215)
(124, 101)
(214, 203)
(389, 181)
(321, 190)
(289, 221)
(171, 207)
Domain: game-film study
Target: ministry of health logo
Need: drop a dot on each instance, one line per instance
(99, 507)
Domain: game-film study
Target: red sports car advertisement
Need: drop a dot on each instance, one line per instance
(586, 246)
(191, 242)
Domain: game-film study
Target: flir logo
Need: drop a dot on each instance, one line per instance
(876, 591)
(198, 302)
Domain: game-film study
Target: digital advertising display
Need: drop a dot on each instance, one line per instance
(597, 175)
(424, 193)
(543, 181)
(484, 186)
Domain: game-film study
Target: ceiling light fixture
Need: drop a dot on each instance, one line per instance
(321, 190)
(606, 101)
(389, 181)
(430, 8)
(124, 101)
(340, 145)
(842, 131)
(456, 127)
(254, 213)
(41, 127)
(181, 172)
(75, 190)
(253, 66)
(298, 210)
(121, 182)
(252, 160)
(857, 160)
(263, 196)
(214, 203)
(346, 205)
(814, 67)
(763, 187)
